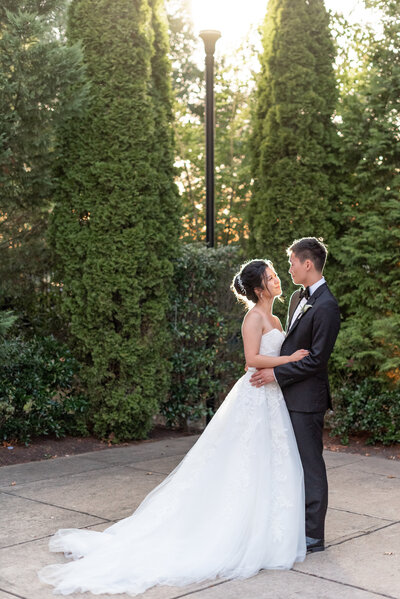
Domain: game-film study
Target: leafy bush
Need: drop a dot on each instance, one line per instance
(37, 395)
(7, 319)
(368, 407)
(205, 322)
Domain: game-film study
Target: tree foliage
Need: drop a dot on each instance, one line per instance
(294, 140)
(368, 251)
(38, 74)
(233, 97)
(116, 222)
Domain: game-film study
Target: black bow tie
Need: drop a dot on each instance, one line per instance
(304, 293)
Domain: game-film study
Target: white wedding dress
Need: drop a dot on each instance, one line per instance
(233, 506)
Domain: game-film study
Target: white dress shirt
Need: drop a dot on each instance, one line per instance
(304, 300)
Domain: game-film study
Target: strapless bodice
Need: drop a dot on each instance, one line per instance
(270, 345)
(271, 342)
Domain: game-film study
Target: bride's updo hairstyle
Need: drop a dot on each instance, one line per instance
(250, 277)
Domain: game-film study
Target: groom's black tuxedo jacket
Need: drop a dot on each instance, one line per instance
(305, 383)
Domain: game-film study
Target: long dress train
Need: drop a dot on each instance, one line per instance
(233, 506)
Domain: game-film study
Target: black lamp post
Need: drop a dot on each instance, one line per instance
(209, 38)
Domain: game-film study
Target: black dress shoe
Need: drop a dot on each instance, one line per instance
(314, 545)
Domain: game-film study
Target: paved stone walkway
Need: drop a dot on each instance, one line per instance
(92, 490)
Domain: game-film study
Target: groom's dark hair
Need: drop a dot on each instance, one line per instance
(310, 248)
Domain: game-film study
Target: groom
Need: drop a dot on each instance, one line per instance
(313, 323)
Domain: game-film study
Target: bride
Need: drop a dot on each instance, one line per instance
(235, 503)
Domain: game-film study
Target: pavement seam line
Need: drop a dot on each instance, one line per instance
(60, 507)
(364, 533)
(338, 509)
(144, 460)
(86, 471)
(345, 584)
(51, 534)
(216, 584)
(379, 474)
(13, 594)
(89, 454)
(341, 465)
(40, 480)
(129, 464)
(151, 471)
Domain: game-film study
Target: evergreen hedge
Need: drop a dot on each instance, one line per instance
(366, 407)
(116, 222)
(205, 321)
(38, 390)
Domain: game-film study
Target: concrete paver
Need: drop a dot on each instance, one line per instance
(22, 520)
(144, 451)
(380, 466)
(161, 465)
(335, 459)
(341, 525)
(4, 595)
(370, 561)
(41, 471)
(362, 559)
(283, 585)
(112, 493)
(366, 492)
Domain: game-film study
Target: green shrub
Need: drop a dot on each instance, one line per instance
(37, 395)
(205, 322)
(368, 407)
(7, 319)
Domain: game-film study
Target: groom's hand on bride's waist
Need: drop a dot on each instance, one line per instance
(262, 377)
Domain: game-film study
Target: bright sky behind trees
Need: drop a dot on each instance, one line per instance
(235, 17)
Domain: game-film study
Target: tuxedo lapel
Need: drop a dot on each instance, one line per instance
(292, 307)
(311, 301)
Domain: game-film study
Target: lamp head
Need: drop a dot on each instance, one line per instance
(210, 37)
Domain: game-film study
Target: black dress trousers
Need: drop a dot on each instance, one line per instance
(308, 428)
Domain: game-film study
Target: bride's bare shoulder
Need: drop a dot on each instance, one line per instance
(278, 323)
(252, 319)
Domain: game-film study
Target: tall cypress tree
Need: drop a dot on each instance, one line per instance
(115, 225)
(293, 142)
(163, 154)
(368, 252)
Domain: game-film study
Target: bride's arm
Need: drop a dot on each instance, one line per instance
(252, 333)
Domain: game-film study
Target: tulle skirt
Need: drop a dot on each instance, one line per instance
(233, 506)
